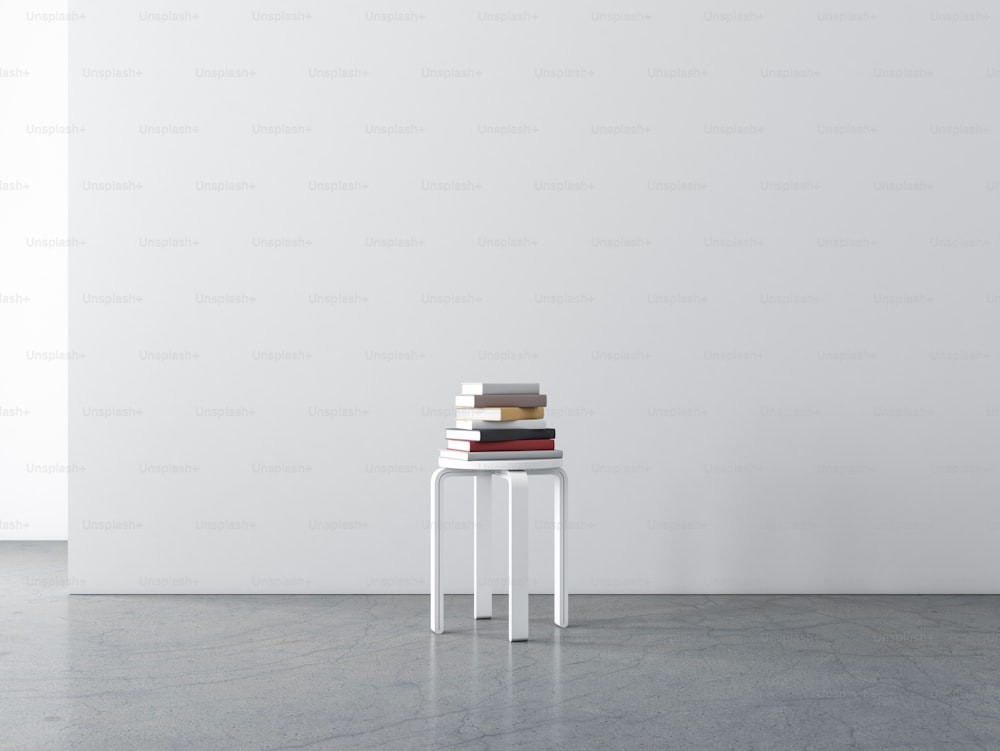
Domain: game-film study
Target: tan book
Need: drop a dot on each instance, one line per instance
(500, 400)
(500, 414)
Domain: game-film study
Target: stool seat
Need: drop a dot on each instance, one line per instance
(500, 464)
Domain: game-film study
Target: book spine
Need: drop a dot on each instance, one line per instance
(529, 445)
(501, 400)
(486, 456)
(500, 414)
(509, 434)
(494, 425)
(500, 388)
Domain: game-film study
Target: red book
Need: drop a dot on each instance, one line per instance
(538, 444)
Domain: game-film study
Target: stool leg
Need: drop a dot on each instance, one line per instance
(517, 557)
(559, 586)
(437, 595)
(482, 597)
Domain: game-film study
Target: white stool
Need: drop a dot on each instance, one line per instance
(516, 474)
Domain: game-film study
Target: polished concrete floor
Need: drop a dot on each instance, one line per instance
(633, 672)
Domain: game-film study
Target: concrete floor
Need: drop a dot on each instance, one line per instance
(633, 672)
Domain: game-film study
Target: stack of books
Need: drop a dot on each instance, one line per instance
(500, 421)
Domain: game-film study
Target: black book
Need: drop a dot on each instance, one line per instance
(500, 434)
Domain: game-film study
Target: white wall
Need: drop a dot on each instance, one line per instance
(750, 255)
(33, 278)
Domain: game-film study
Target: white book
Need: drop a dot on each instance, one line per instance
(495, 425)
(486, 456)
(500, 388)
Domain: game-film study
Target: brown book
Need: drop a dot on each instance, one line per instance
(500, 400)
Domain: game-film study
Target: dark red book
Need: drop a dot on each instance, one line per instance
(538, 444)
